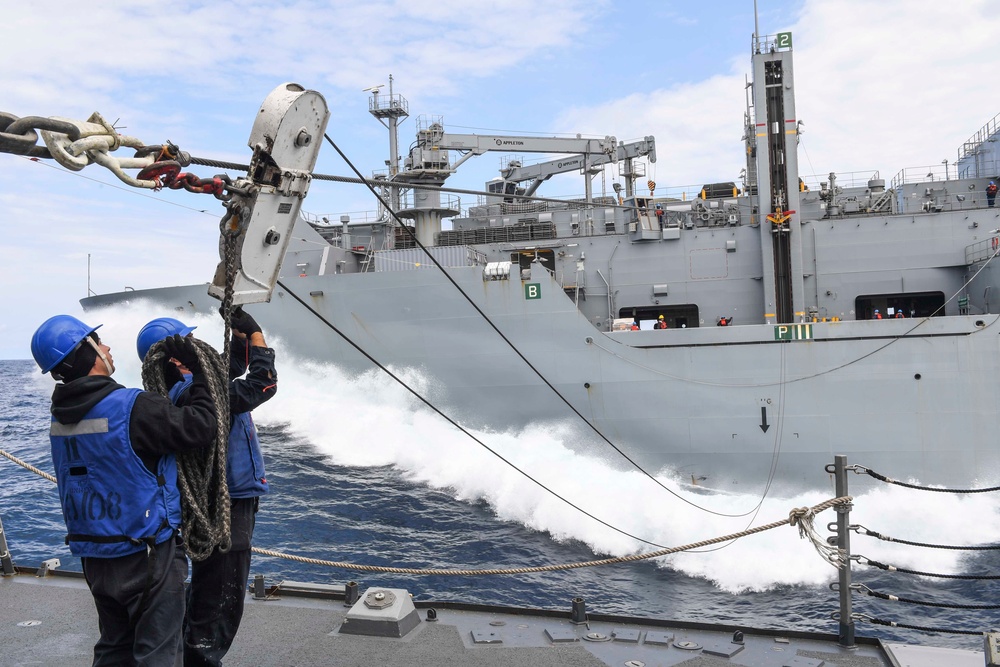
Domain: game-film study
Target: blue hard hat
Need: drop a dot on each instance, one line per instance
(56, 339)
(156, 330)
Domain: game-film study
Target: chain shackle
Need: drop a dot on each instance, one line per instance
(19, 135)
(76, 144)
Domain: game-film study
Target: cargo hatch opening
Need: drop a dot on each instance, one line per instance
(911, 304)
(677, 316)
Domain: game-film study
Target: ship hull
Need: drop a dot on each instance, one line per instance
(732, 408)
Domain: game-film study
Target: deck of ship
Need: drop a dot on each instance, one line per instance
(51, 621)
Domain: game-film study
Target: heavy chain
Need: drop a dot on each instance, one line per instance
(76, 144)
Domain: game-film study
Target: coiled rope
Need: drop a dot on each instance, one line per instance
(800, 517)
(201, 473)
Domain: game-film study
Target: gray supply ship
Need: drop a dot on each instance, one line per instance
(852, 316)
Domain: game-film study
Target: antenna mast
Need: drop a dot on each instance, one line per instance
(756, 29)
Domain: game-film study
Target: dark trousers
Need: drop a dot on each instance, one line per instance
(135, 631)
(217, 591)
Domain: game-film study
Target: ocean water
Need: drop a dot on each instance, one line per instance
(361, 474)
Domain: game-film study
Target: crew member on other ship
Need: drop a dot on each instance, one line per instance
(113, 451)
(660, 323)
(877, 315)
(991, 194)
(218, 583)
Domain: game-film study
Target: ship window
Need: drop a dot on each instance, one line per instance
(912, 304)
(677, 316)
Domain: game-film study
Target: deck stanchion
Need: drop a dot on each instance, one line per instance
(846, 632)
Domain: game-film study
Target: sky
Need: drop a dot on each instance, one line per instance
(880, 86)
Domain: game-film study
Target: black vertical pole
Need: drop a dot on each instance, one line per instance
(844, 543)
(6, 563)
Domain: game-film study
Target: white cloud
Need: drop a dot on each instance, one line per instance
(879, 86)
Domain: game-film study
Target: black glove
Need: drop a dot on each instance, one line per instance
(243, 322)
(183, 350)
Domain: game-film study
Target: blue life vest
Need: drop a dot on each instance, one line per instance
(244, 460)
(112, 503)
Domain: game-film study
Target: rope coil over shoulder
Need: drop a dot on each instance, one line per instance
(201, 473)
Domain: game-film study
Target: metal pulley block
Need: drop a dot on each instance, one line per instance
(285, 139)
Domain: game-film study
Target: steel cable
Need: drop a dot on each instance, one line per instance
(861, 530)
(892, 568)
(924, 603)
(889, 480)
(921, 628)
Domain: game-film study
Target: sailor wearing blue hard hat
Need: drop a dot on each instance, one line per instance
(156, 330)
(219, 581)
(113, 452)
(65, 346)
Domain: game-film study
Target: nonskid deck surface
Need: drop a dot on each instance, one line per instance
(52, 621)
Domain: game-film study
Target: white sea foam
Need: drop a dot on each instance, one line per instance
(370, 420)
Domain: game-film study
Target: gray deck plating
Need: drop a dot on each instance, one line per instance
(51, 621)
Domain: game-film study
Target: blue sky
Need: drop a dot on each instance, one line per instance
(880, 86)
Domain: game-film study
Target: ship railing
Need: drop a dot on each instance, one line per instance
(409, 199)
(971, 146)
(432, 123)
(929, 174)
(937, 201)
(846, 179)
(334, 220)
(772, 43)
(676, 193)
(980, 251)
(489, 205)
(395, 104)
